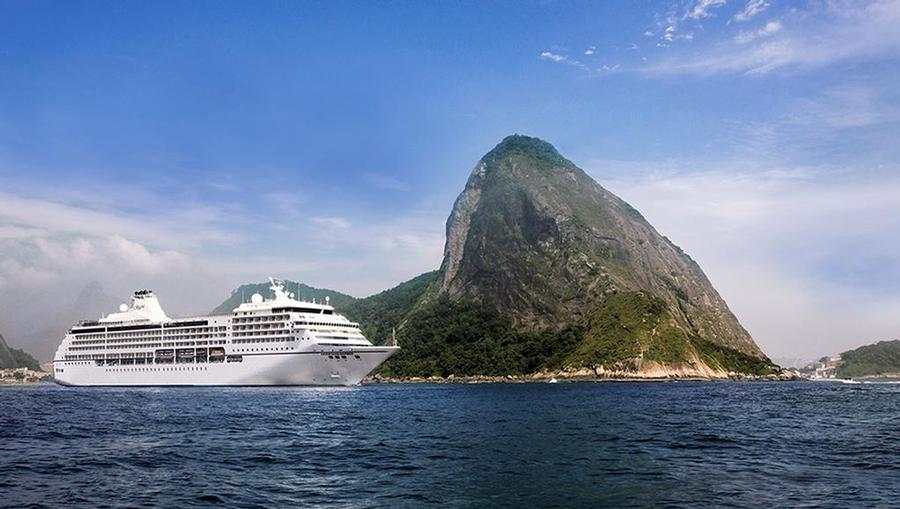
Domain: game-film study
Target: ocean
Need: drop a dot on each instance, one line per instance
(615, 444)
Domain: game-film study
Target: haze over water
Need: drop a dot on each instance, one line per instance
(680, 444)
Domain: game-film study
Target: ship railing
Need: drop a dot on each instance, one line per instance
(82, 323)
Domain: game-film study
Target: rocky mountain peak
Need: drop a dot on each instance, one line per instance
(536, 237)
(535, 149)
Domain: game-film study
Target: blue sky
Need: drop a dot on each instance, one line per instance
(189, 147)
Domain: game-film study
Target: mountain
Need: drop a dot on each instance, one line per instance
(90, 303)
(13, 358)
(881, 359)
(546, 272)
(338, 300)
(544, 269)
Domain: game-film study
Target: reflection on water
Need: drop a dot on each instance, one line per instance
(531, 445)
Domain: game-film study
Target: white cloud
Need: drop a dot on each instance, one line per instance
(139, 258)
(53, 216)
(54, 256)
(702, 9)
(670, 27)
(192, 225)
(817, 37)
(553, 56)
(834, 115)
(46, 271)
(17, 232)
(844, 106)
(750, 10)
(669, 33)
(770, 28)
(563, 59)
(590, 51)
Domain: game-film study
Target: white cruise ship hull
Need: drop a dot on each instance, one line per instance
(341, 367)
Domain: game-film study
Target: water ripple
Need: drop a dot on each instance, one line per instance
(465, 446)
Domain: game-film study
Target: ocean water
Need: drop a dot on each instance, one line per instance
(685, 444)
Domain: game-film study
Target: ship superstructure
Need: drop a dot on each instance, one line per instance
(277, 341)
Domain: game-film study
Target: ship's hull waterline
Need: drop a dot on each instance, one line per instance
(270, 369)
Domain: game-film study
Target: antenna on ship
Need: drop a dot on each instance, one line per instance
(393, 336)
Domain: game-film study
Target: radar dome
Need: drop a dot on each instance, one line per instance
(256, 298)
(123, 307)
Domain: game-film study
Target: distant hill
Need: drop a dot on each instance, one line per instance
(879, 359)
(377, 314)
(380, 313)
(90, 303)
(304, 292)
(13, 358)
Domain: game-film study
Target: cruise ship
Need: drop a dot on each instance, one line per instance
(278, 341)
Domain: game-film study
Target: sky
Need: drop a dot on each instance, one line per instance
(189, 147)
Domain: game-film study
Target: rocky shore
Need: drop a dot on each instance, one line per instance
(582, 376)
(24, 376)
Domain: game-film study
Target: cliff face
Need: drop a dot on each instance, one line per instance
(6, 356)
(537, 239)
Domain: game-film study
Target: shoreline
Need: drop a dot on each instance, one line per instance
(571, 379)
(14, 377)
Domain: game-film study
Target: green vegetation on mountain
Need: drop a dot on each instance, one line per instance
(339, 300)
(634, 325)
(379, 314)
(879, 359)
(464, 338)
(628, 326)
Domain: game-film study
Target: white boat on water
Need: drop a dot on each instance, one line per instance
(278, 341)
